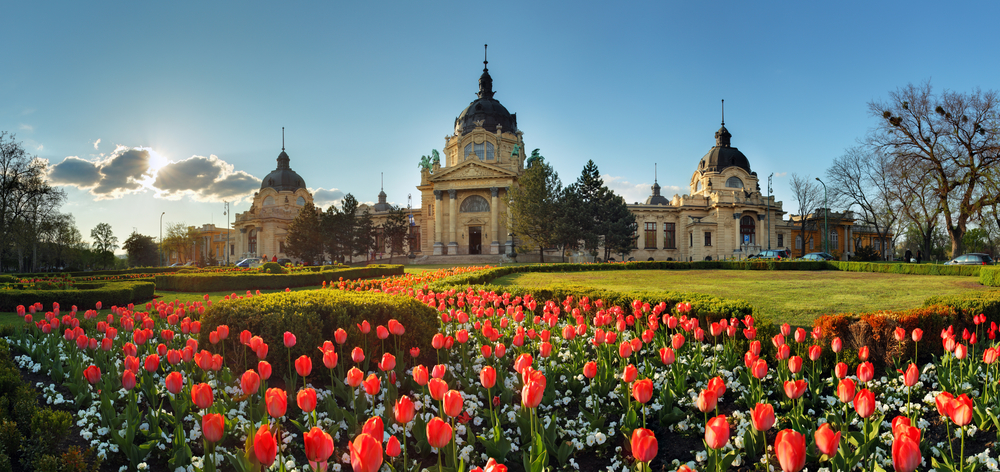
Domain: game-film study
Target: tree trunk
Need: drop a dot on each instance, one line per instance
(541, 254)
(957, 248)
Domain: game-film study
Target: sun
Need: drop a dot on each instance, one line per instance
(156, 161)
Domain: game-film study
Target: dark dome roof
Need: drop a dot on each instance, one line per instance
(382, 205)
(283, 178)
(723, 154)
(656, 198)
(485, 109)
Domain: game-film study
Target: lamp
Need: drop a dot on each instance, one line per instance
(826, 223)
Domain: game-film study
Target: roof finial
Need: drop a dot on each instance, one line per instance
(383, 181)
(654, 172)
(723, 112)
(485, 47)
(282, 138)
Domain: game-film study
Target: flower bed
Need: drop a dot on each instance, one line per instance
(512, 381)
(84, 295)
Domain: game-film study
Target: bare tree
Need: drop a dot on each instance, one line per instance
(914, 191)
(954, 136)
(807, 195)
(21, 183)
(863, 180)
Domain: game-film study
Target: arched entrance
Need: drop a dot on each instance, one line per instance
(748, 231)
(252, 241)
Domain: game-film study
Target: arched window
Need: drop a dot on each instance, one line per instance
(252, 241)
(269, 201)
(301, 201)
(834, 241)
(734, 182)
(798, 241)
(484, 151)
(474, 204)
(697, 186)
(468, 150)
(748, 230)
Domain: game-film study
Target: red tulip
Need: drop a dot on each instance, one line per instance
(846, 390)
(277, 402)
(438, 433)
(213, 426)
(899, 334)
(289, 339)
(152, 363)
(866, 371)
(961, 351)
(961, 410)
(249, 382)
(917, 334)
(667, 355)
(815, 352)
(438, 371)
(306, 399)
(128, 380)
(488, 377)
(531, 394)
(92, 374)
(717, 432)
(826, 440)
(863, 353)
(415, 352)
(319, 447)
(392, 447)
(357, 355)
(911, 376)
(784, 351)
(763, 417)
(354, 377)
(375, 428)
(905, 453)
(261, 351)
(590, 370)
(836, 345)
(795, 388)
(381, 332)
(366, 453)
(388, 362)
(340, 336)
(707, 400)
(864, 403)
(794, 364)
(372, 385)
(264, 368)
(395, 327)
(642, 390)
(453, 403)
(303, 366)
(790, 447)
(944, 403)
(630, 373)
(201, 395)
(800, 335)
(840, 370)
(759, 369)
(404, 410)
(174, 382)
(264, 446)
(437, 388)
(644, 444)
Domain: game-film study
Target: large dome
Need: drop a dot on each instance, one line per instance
(723, 154)
(283, 178)
(485, 110)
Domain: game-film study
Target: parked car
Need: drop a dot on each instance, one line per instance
(770, 254)
(245, 263)
(817, 256)
(282, 262)
(973, 258)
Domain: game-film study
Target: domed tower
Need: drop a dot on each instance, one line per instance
(724, 167)
(283, 178)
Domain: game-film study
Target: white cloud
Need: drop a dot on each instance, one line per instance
(24, 127)
(40, 147)
(96, 143)
(208, 179)
(637, 192)
(780, 174)
(323, 198)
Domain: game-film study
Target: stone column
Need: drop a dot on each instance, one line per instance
(503, 237)
(453, 221)
(438, 223)
(494, 219)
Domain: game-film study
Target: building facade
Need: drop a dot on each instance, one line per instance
(263, 228)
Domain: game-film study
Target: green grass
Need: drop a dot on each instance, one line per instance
(421, 268)
(794, 297)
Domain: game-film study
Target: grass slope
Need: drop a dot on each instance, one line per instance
(795, 297)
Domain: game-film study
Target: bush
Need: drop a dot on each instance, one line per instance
(313, 316)
(273, 268)
(117, 293)
(866, 254)
(240, 282)
(989, 276)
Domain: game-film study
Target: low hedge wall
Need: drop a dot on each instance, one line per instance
(990, 276)
(256, 281)
(92, 273)
(904, 268)
(313, 316)
(117, 293)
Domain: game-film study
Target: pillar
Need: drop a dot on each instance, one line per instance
(438, 223)
(494, 222)
(453, 221)
(503, 237)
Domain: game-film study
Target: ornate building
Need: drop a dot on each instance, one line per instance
(462, 200)
(263, 228)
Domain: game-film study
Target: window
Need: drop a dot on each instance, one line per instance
(252, 242)
(781, 240)
(281, 247)
(748, 230)
(734, 182)
(697, 186)
(669, 236)
(414, 239)
(489, 151)
(232, 249)
(379, 240)
(474, 204)
(650, 236)
(479, 151)
(691, 239)
(468, 150)
(708, 238)
(834, 241)
(812, 242)
(798, 241)
(269, 201)
(301, 201)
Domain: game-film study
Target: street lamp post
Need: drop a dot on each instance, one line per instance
(769, 210)
(228, 229)
(826, 222)
(161, 238)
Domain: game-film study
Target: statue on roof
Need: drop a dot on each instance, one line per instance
(536, 156)
(435, 157)
(425, 163)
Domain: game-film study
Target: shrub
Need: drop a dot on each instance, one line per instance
(117, 293)
(866, 253)
(10, 440)
(989, 276)
(313, 316)
(240, 282)
(273, 268)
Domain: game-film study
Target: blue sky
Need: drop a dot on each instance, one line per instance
(188, 98)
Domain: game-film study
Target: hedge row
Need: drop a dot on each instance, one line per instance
(117, 293)
(138, 270)
(257, 281)
(313, 316)
(990, 276)
(903, 268)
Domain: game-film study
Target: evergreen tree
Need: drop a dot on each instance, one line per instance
(395, 231)
(568, 221)
(364, 234)
(338, 229)
(593, 197)
(533, 202)
(618, 226)
(305, 235)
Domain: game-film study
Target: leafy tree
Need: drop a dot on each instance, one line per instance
(532, 202)
(618, 226)
(141, 250)
(305, 235)
(806, 194)
(105, 242)
(180, 239)
(395, 229)
(364, 234)
(23, 192)
(954, 137)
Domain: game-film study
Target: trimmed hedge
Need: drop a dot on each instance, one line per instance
(92, 273)
(990, 276)
(197, 282)
(313, 316)
(117, 293)
(903, 268)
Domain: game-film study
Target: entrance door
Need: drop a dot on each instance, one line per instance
(748, 231)
(475, 239)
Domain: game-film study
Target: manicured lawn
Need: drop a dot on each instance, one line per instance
(794, 297)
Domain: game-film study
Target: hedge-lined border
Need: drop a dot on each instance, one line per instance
(257, 281)
(92, 273)
(116, 293)
(990, 276)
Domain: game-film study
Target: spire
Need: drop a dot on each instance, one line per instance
(283, 157)
(282, 138)
(654, 172)
(723, 112)
(656, 185)
(382, 186)
(485, 81)
(723, 136)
